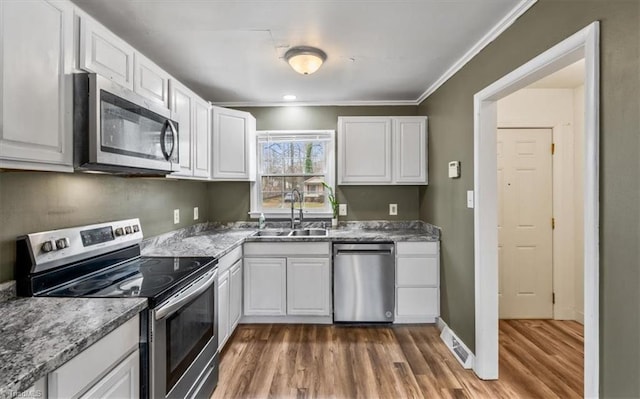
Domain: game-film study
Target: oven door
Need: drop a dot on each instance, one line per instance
(184, 342)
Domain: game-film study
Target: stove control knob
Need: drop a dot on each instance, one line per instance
(135, 228)
(62, 243)
(48, 246)
(119, 231)
(127, 230)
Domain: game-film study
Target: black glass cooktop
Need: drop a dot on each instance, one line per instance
(155, 278)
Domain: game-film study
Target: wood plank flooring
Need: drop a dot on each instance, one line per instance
(538, 359)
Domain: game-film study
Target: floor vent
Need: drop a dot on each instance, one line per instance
(457, 347)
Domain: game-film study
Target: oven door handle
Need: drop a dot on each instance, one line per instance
(175, 303)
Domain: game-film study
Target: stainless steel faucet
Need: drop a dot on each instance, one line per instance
(300, 198)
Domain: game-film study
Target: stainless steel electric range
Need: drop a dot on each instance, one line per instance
(178, 334)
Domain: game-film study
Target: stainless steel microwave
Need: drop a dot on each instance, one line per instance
(118, 131)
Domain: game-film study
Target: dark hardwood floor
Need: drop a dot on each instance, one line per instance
(538, 359)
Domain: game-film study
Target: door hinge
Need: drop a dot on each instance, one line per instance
(553, 298)
(553, 223)
(553, 148)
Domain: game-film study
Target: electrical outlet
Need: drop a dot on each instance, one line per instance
(176, 216)
(195, 213)
(342, 210)
(393, 209)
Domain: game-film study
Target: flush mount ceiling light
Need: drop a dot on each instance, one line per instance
(305, 60)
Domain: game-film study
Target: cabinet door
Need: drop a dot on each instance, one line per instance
(410, 150)
(121, 382)
(265, 284)
(308, 287)
(223, 309)
(232, 144)
(418, 271)
(417, 302)
(364, 150)
(235, 295)
(181, 104)
(202, 139)
(37, 92)
(104, 53)
(150, 80)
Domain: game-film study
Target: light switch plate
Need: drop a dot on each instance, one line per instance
(176, 216)
(342, 210)
(470, 202)
(393, 209)
(195, 213)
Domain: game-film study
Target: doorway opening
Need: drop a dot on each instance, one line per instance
(582, 45)
(540, 229)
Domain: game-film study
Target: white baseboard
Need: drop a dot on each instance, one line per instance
(460, 351)
(415, 320)
(579, 317)
(286, 320)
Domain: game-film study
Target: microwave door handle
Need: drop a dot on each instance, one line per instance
(173, 305)
(163, 135)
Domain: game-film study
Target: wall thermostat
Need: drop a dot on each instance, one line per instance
(454, 169)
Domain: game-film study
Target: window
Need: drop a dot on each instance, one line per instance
(288, 160)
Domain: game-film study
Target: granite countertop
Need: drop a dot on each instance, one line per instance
(38, 335)
(217, 240)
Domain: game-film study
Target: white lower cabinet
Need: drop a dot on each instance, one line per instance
(110, 368)
(417, 282)
(223, 308)
(287, 282)
(308, 287)
(229, 294)
(265, 286)
(235, 295)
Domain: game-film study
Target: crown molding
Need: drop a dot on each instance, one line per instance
(369, 103)
(490, 36)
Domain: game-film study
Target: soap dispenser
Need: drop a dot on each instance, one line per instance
(261, 221)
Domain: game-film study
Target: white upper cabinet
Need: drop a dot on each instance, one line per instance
(233, 145)
(182, 109)
(150, 80)
(202, 139)
(364, 150)
(194, 131)
(104, 53)
(35, 77)
(410, 150)
(382, 150)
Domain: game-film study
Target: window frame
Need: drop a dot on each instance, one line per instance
(256, 186)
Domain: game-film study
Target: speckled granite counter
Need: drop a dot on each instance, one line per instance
(216, 240)
(38, 335)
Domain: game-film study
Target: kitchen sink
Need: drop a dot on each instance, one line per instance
(272, 233)
(291, 233)
(309, 233)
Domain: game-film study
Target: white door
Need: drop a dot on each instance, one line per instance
(230, 144)
(364, 150)
(524, 223)
(410, 150)
(181, 104)
(202, 137)
(235, 295)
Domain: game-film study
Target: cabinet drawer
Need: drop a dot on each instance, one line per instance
(229, 259)
(286, 248)
(416, 302)
(78, 373)
(417, 248)
(422, 271)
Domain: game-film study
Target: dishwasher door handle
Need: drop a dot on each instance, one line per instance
(364, 252)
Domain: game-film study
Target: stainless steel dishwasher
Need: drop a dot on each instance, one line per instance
(363, 282)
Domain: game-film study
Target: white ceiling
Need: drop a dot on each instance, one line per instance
(379, 51)
(568, 77)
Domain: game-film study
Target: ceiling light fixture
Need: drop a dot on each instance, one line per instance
(305, 60)
(289, 97)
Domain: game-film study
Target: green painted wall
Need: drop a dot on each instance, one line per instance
(450, 111)
(230, 201)
(39, 201)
